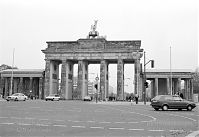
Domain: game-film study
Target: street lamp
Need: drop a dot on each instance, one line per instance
(144, 76)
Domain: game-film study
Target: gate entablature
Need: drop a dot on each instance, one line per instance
(92, 49)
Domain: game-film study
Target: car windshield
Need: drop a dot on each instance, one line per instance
(157, 98)
(168, 98)
(53, 95)
(16, 94)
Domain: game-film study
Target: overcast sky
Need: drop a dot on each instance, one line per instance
(26, 25)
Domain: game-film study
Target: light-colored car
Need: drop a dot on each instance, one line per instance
(87, 98)
(17, 97)
(53, 97)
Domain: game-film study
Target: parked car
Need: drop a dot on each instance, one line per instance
(166, 102)
(17, 97)
(87, 98)
(53, 97)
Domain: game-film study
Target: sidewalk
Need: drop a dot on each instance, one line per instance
(120, 103)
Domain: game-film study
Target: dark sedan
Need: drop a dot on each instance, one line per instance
(166, 102)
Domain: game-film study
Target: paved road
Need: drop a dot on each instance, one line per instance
(78, 118)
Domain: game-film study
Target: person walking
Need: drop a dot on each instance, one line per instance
(136, 98)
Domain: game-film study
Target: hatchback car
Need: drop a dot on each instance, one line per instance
(87, 98)
(53, 97)
(17, 97)
(166, 102)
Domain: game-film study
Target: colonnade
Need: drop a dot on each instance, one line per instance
(162, 86)
(52, 78)
(30, 86)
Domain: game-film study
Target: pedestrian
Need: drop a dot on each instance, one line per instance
(136, 98)
(177, 93)
(181, 95)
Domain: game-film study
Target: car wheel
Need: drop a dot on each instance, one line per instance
(53, 99)
(24, 99)
(156, 109)
(16, 99)
(189, 107)
(164, 107)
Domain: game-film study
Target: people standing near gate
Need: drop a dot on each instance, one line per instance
(136, 98)
(181, 95)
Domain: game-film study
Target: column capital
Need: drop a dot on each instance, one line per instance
(47, 60)
(64, 61)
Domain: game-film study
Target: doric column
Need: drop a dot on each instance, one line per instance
(67, 79)
(179, 84)
(137, 77)
(47, 79)
(152, 89)
(40, 87)
(168, 86)
(21, 84)
(2, 85)
(191, 89)
(53, 77)
(186, 88)
(30, 84)
(189, 85)
(120, 80)
(6, 88)
(104, 79)
(15, 81)
(82, 83)
(10, 92)
(63, 78)
(175, 85)
(156, 86)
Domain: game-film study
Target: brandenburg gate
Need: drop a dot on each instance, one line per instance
(91, 50)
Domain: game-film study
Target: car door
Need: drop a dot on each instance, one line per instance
(20, 97)
(169, 101)
(178, 102)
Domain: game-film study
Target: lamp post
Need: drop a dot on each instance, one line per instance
(144, 76)
(11, 80)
